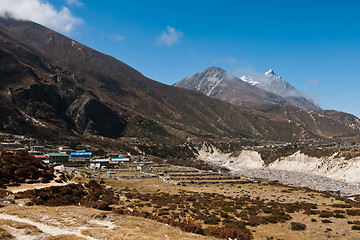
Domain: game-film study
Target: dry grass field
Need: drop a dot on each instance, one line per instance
(151, 208)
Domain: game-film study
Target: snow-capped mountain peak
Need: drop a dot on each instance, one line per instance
(217, 82)
(270, 74)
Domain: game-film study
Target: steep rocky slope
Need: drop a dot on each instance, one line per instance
(324, 123)
(69, 87)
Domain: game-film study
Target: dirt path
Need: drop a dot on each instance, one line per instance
(50, 230)
(25, 186)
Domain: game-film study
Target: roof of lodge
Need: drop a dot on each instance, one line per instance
(99, 160)
(120, 159)
(57, 154)
(80, 154)
(41, 156)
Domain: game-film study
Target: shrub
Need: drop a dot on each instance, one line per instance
(20, 167)
(226, 220)
(339, 215)
(355, 212)
(341, 206)
(256, 220)
(296, 226)
(191, 227)
(228, 209)
(326, 221)
(72, 194)
(212, 220)
(278, 217)
(355, 227)
(313, 220)
(227, 232)
(224, 215)
(326, 214)
(191, 199)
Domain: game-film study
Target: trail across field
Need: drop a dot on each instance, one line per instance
(47, 229)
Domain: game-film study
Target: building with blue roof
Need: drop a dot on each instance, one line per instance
(80, 155)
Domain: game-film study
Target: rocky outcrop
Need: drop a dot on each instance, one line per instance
(92, 116)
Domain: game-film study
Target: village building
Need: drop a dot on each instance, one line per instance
(99, 164)
(65, 149)
(37, 150)
(121, 160)
(10, 145)
(85, 148)
(115, 162)
(58, 158)
(45, 158)
(80, 156)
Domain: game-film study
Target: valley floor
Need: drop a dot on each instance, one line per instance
(298, 169)
(268, 209)
(310, 180)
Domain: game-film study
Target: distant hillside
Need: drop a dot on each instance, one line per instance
(324, 123)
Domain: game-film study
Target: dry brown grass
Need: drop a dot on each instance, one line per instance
(65, 237)
(5, 235)
(27, 228)
(280, 193)
(314, 230)
(139, 228)
(108, 225)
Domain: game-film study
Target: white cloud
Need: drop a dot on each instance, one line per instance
(117, 37)
(313, 81)
(74, 2)
(169, 37)
(40, 11)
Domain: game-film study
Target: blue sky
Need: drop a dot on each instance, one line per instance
(314, 45)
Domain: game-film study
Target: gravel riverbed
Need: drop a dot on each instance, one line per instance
(313, 181)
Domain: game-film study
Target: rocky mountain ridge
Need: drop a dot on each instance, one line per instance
(218, 83)
(246, 90)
